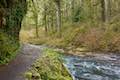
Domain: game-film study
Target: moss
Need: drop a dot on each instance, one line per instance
(50, 67)
(14, 17)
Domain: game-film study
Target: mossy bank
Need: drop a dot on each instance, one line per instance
(8, 48)
(49, 67)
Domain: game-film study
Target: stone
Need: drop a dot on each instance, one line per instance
(36, 76)
(28, 75)
(81, 49)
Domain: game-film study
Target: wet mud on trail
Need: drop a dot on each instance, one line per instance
(15, 69)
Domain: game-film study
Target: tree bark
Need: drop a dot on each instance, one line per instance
(58, 15)
(36, 18)
(72, 9)
(105, 10)
(45, 18)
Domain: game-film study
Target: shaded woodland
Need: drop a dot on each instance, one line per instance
(91, 24)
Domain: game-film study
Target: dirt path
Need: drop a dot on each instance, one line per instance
(15, 69)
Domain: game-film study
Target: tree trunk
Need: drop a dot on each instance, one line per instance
(45, 18)
(105, 10)
(36, 24)
(58, 14)
(72, 9)
(36, 18)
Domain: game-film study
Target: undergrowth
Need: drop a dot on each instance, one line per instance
(8, 48)
(92, 36)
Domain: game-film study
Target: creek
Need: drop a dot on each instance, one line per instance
(94, 67)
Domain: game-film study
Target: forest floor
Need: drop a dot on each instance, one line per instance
(15, 69)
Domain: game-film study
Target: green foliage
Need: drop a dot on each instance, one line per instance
(14, 18)
(8, 48)
(78, 15)
(49, 67)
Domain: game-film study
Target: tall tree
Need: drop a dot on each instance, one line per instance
(35, 11)
(58, 15)
(105, 10)
(45, 18)
(73, 9)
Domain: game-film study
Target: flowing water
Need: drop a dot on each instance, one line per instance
(94, 67)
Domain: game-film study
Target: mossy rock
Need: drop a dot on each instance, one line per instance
(28, 75)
